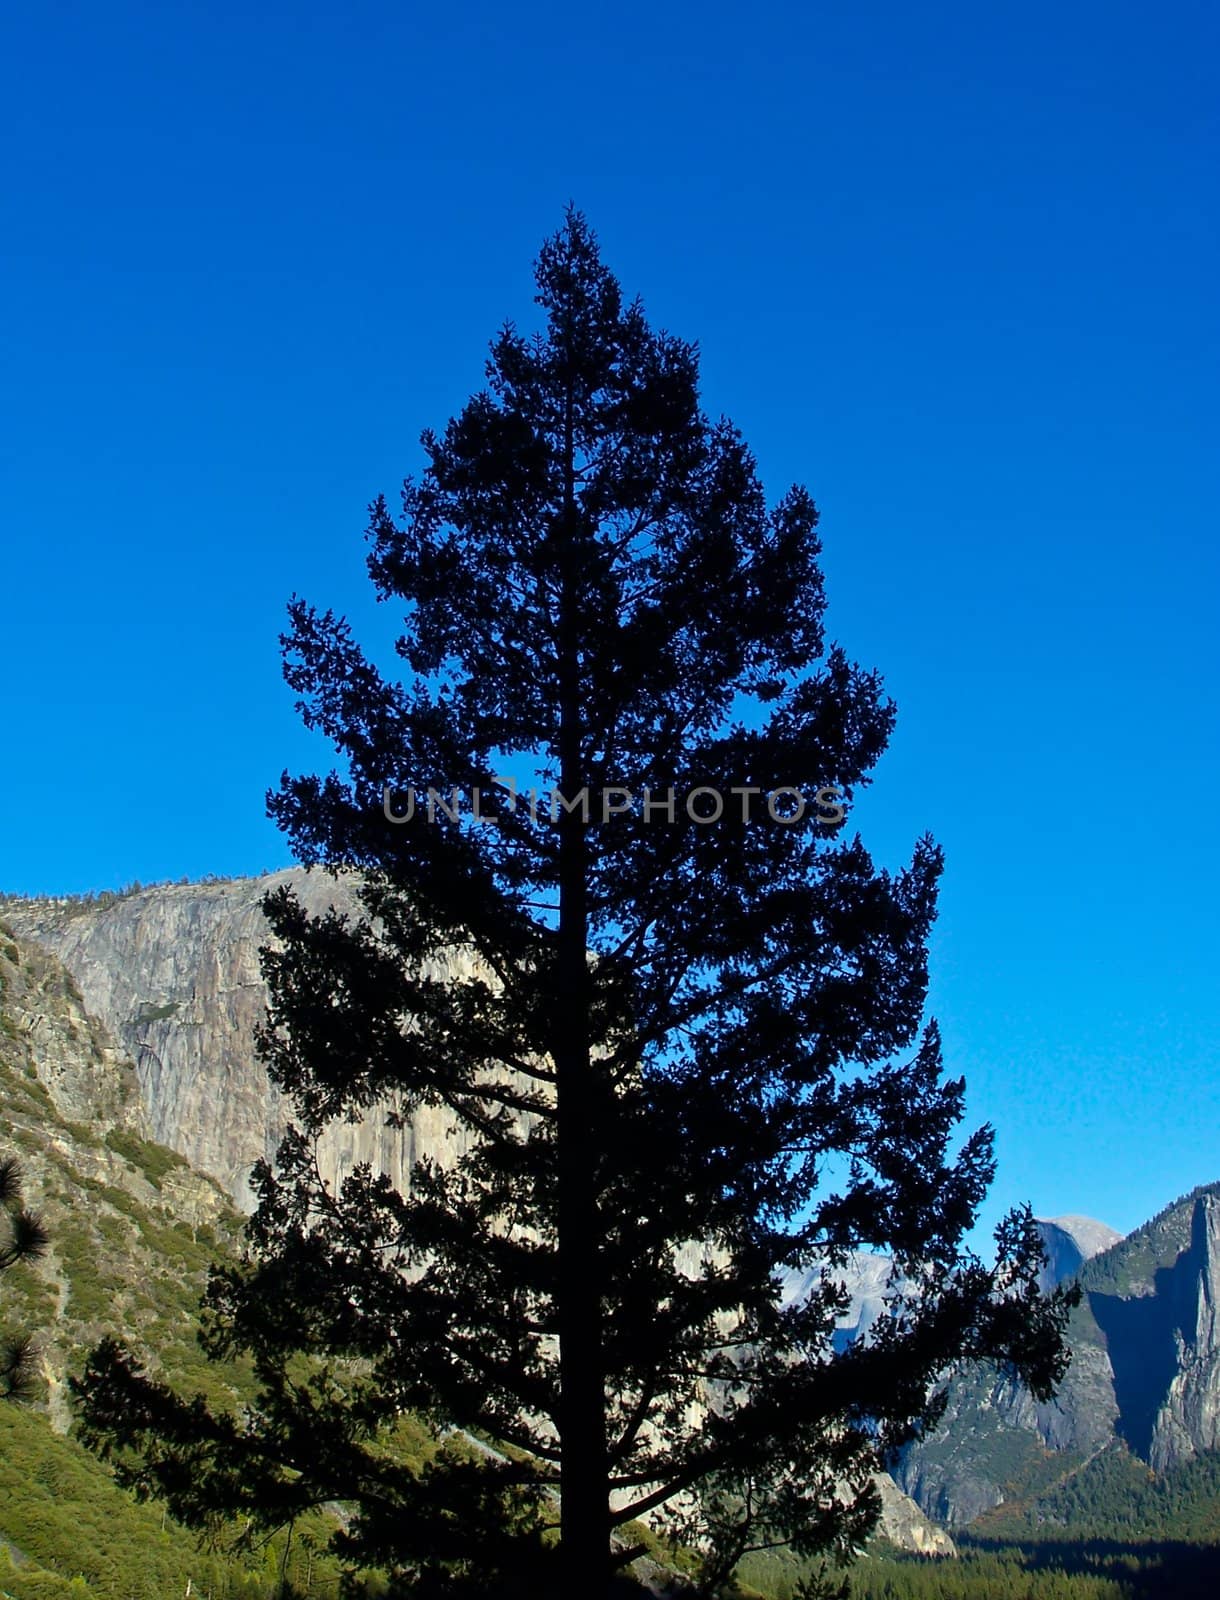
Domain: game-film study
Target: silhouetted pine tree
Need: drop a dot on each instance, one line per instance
(23, 1238)
(683, 1054)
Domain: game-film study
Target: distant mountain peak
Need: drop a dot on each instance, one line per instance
(1092, 1236)
(1069, 1242)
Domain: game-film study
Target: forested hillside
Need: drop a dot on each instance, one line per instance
(134, 1228)
(132, 1232)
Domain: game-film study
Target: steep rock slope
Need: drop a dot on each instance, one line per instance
(905, 1526)
(1188, 1420)
(867, 1279)
(1071, 1241)
(173, 973)
(132, 1227)
(132, 1231)
(1145, 1373)
(1155, 1306)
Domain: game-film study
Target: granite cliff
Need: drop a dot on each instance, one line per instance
(1144, 1377)
(1188, 1418)
(132, 1227)
(1069, 1242)
(172, 972)
(163, 987)
(167, 978)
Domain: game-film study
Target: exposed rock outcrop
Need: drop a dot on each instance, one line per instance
(58, 1043)
(127, 1220)
(1145, 1369)
(169, 977)
(1069, 1242)
(173, 972)
(906, 1526)
(1188, 1420)
(867, 1278)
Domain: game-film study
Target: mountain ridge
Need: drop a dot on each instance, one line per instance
(76, 1109)
(1145, 1375)
(172, 972)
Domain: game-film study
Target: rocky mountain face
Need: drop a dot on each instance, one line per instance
(167, 978)
(173, 973)
(1069, 1242)
(1188, 1418)
(867, 1279)
(133, 1230)
(140, 1024)
(904, 1525)
(132, 1227)
(1152, 1302)
(1145, 1372)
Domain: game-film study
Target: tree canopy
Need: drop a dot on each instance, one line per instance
(617, 927)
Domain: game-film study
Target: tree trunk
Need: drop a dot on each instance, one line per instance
(584, 1508)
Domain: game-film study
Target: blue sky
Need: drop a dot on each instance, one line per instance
(952, 266)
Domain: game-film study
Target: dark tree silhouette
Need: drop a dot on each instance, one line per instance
(680, 1042)
(23, 1238)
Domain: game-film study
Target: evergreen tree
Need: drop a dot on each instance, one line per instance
(24, 1239)
(682, 1049)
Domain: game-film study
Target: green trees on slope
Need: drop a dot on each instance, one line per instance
(669, 1006)
(71, 1525)
(22, 1238)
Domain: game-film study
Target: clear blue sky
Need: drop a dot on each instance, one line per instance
(953, 266)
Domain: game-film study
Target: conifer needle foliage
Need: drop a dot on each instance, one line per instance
(681, 1055)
